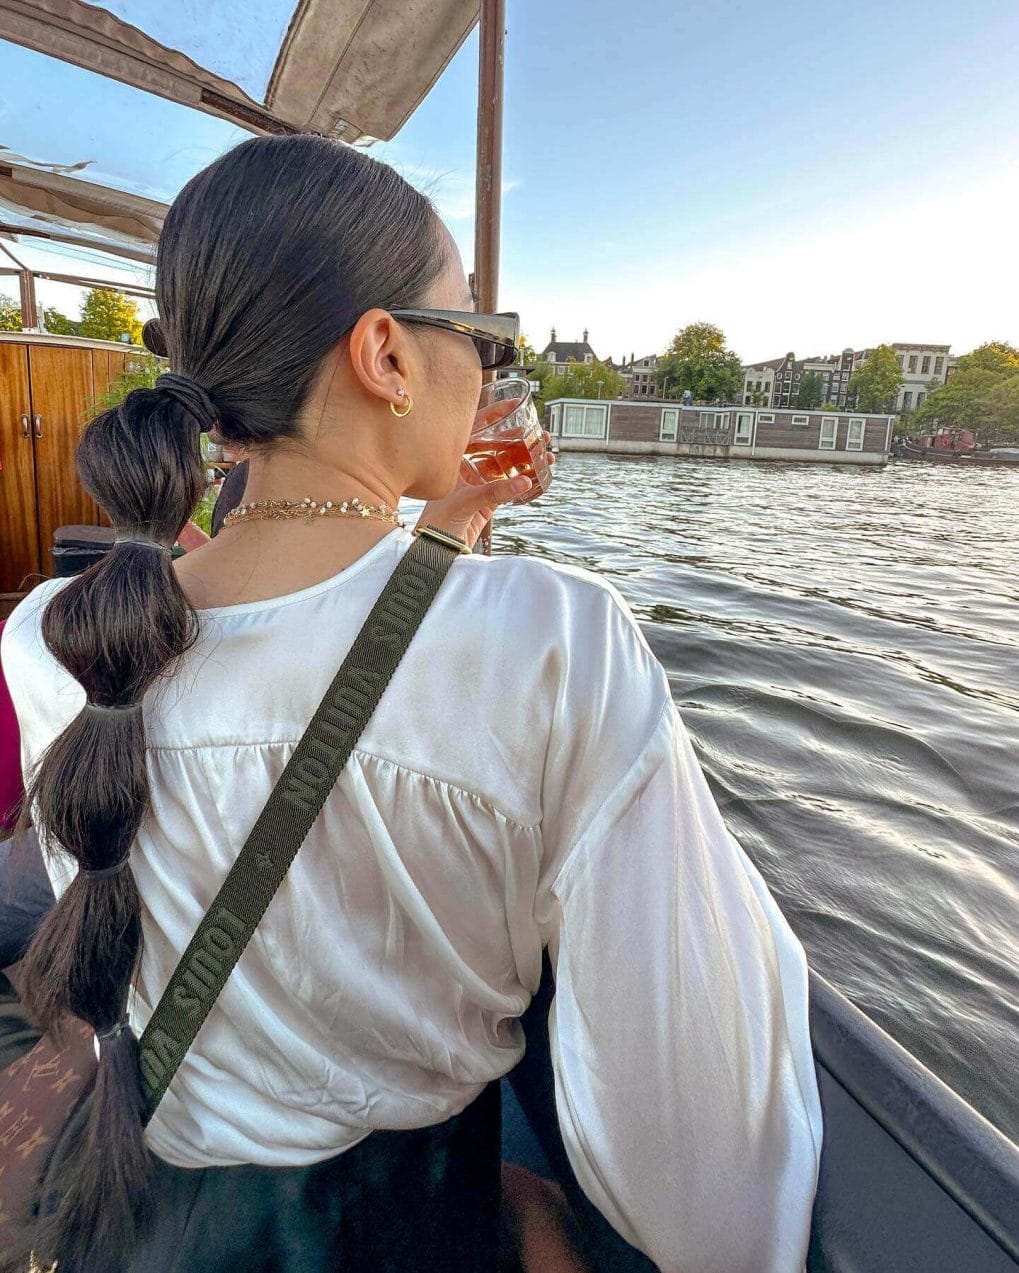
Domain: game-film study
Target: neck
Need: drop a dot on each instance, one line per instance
(289, 474)
(261, 559)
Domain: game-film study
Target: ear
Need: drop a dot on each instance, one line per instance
(380, 355)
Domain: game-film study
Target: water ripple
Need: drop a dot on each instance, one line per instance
(843, 645)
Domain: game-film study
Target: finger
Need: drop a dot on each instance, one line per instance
(502, 491)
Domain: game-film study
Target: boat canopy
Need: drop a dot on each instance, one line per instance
(351, 69)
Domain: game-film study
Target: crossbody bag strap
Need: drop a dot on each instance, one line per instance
(292, 807)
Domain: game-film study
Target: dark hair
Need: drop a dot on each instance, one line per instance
(266, 259)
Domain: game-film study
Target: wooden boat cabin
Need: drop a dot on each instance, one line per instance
(48, 388)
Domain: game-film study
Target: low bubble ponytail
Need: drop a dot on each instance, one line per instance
(117, 629)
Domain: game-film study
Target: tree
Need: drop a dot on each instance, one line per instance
(997, 356)
(107, 315)
(811, 391)
(698, 360)
(876, 382)
(526, 356)
(982, 395)
(59, 324)
(10, 314)
(1003, 412)
(579, 380)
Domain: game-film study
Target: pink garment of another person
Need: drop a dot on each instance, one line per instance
(10, 759)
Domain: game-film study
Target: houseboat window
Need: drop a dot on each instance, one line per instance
(766, 419)
(854, 441)
(584, 422)
(829, 430)
(744, 428)
(669, 425)
(801, 419)
(555, 419)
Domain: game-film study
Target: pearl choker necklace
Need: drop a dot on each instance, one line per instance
(284, 510)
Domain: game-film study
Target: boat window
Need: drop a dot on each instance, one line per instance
(801, 419)
(854, 441)
(829, 431)
(744, 428)
(584, 422)
(669, 425)
(768, 418)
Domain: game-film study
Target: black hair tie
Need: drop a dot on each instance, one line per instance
(103, 872)
(191, 396)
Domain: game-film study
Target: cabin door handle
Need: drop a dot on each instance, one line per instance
(25, 427)
(38, 426)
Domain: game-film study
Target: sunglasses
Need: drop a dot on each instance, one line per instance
(494, 336)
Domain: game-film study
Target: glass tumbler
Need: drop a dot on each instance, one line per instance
(511, 446)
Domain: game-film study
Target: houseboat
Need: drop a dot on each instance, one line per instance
(723, 432)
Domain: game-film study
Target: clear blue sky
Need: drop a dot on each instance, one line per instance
(808, 176)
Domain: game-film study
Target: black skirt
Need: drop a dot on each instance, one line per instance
(427, 1199)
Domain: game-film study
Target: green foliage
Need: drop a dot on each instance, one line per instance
(829, 406)
(202, 516)
(982, 394)
(811, 391)
(59, 324)
(525, 352)
(10, 314)
(698, 360)
(875, 384)
(579, 380)
(142, 372)
(107, 315)
(997, 356)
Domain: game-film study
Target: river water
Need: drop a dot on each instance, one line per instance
(843, 643)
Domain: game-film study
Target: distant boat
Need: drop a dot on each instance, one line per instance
(953, 446)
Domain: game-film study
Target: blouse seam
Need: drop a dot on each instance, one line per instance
(569, 863)
(489, 804)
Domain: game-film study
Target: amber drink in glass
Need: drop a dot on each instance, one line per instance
(511, 446)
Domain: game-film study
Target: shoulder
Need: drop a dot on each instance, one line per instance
(572, 623)
(22, 633)
(29, 669)
(564, 596)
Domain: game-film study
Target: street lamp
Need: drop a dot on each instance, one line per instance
(599, 383)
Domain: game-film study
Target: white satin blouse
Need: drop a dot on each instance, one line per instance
(526, 780)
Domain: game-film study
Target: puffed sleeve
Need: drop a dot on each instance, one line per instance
(685, 1083)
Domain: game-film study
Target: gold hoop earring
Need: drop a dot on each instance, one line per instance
(408, 406)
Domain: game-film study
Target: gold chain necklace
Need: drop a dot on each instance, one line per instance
(307, 509)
